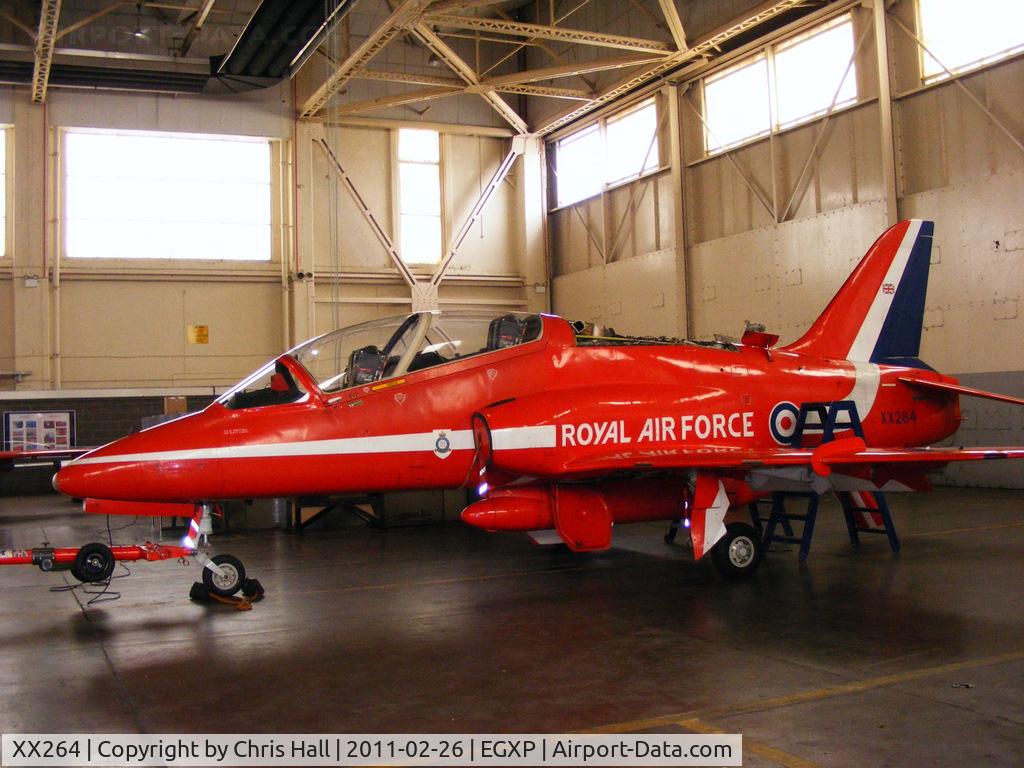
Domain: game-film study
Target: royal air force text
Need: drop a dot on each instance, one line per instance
(660, 429)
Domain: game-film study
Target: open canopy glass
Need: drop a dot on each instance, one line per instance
(381, 349)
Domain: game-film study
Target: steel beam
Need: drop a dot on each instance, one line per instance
(518, 147)
(675, 24)
(675, 134)
(555, 55)
(476, 37)
(885, 126)
(86, 21)
(429, 39)
(546, 32)
(49, 14)
(447, 6)
(453, 128)
(196, 27)
(570, 70)
(763, 13)
(364, 209)
(405, 14)
(443, 51)
(443, 86)
(25, 28)
(382, 102)
(406, 77)
(574, 94)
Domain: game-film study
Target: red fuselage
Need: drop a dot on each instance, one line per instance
(546, 404)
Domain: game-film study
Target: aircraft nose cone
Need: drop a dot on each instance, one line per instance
(72, 481)
(152, 465)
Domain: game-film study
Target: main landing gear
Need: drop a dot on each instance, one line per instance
(737, 555)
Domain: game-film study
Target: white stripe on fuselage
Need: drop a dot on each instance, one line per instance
(459, 440)
(867, 377)
(512, 438)
(867, 335)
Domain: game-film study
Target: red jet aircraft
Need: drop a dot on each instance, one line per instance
(565, 431)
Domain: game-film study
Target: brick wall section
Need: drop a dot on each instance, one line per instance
(99, 420)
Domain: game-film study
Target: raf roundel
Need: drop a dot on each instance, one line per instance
(782, 422)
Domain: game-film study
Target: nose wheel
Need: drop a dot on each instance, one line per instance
(230, 579)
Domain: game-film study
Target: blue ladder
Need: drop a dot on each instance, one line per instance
(781, 516)
(827, 419)
(854, 526)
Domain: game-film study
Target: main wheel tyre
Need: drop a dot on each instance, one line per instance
(93, 563)
(231, 581)
(738, 554)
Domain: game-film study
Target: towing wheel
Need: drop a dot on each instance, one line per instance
(738, 554)
(231, 581)
(93, 563)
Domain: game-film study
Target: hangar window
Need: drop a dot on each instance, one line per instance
(809, 70)
(578, 175)
(628, 142)
(788, 84)
(632, 143)
(419, 195)
(736, 106)
(166, 196)
(964, 37)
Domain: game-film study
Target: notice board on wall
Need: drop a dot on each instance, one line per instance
(36, 430)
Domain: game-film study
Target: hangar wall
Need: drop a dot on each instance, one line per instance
(757, 245)
(104, 323)
(122, 324)
(355, 277)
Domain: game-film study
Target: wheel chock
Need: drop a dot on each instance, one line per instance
(252, 591)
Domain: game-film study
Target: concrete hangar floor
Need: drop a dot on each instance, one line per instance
(858, 658)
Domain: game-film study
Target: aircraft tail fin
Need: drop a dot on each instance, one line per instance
(878, 313)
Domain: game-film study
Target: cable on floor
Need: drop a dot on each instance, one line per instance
(100, 590)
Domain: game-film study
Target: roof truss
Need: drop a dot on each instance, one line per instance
(647, 59)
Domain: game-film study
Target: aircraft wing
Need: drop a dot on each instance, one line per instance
(9, 459)
(844, 465)
(834, 456)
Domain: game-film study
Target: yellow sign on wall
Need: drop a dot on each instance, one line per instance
(199, 334)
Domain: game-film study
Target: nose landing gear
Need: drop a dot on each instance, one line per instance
(229, 580)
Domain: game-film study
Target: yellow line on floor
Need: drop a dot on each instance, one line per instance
(842, 689)
(752, 747)
(960, 530)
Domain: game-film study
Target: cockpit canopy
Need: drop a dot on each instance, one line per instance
(381, 349)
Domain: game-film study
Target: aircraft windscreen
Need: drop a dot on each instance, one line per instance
(359, 354)
(273, 384)
(379, 349)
